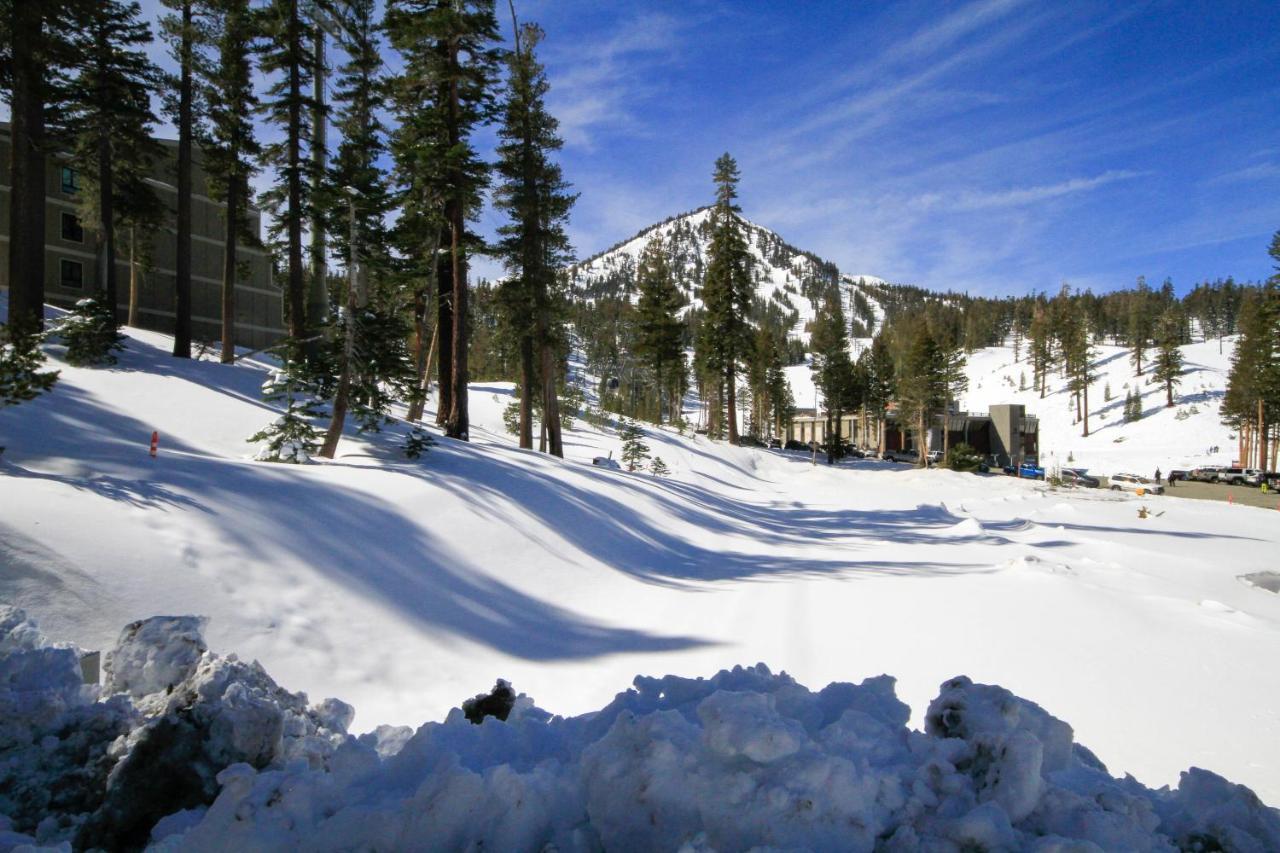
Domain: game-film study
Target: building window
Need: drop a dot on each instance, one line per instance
(71, 229)
(70, 180)
(73, 275)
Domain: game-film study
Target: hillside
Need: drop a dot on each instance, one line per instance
(1164, 438)
(786, 277)
(403, 587)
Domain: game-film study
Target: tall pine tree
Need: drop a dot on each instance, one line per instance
(659, 338)
(533, 243)
(111, 114)
(727, 289)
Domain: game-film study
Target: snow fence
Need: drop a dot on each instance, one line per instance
(181, 749)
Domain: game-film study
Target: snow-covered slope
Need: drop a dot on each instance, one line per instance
(403, 587)
(792, 279)
(1164, 438)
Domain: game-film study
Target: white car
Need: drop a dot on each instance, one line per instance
(1134, 483)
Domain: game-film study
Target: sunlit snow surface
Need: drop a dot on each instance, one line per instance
(403, 587)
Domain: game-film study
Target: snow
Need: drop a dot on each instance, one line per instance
(742, 759)
(1164, 438)
(404, 587)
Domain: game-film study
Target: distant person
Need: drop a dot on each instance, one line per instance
(1157, 476)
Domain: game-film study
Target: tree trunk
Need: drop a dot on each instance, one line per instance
(732, 400)
(107, 229)
(1086, 409)
(550, 402)
(317, 293)
(444, 329)
(527, 383)
(1262, 436)
(182, 256)
(229, 271)
(293, 180)
(132, 318)
(458, 425)
(27, 168)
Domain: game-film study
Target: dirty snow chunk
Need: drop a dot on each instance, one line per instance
(748, 724)
(1270, 581)
(153, 655)
(17, 632)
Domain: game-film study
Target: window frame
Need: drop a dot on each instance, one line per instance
(69, 177)
(66, 282)
(75, 222)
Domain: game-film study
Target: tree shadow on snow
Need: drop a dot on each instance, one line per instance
(267, 512)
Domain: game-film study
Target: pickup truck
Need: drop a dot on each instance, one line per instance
(1027, 470)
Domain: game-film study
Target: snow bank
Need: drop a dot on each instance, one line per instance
(217, 756)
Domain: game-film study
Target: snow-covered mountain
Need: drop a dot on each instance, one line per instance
(792, 279)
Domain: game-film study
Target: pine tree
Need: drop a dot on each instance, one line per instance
(21, 378)
(727, 289)
(634, 449)
(228, 91)
(1140, 325)
(185, 35)
(881, 382)
(534, 245)
(1039, 337)
(832, 369)
(38, 59)
(955, 382)
(659, 330)
(110, 112)
(1168, 360)
(922, 384)
(288, 107)
(449, 71)
(90, 334)
(658, 468)
(292, 437)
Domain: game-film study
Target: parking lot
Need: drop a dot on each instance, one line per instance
(1247, 495)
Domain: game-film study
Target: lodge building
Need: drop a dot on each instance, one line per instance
(71, 252)
(1006, 433)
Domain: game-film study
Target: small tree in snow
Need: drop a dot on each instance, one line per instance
(634, 450)
(417, 442)
(90, 334)
(292, 437)
(658, 468)
(21, 378)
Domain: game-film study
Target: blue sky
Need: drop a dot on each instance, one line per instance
(998, 146)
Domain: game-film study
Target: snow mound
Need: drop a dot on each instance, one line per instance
(226, 759)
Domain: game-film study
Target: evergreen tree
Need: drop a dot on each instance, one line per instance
(832, 368)
(1168, 360)
(110, 112)
(634, 449)
(1039, 337)
(956, 382)
(727, 289)
(21, 378)
(449, 71)
(1140, 321)
(292, 437)
(232, 148)
(922, 388)
(658, 468)
(37, 59)
(880, 383)
(185, 35)
(533, 243)
(289, 108)
(90, 334)
(659, 330)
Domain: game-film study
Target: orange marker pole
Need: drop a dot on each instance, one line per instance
(155, 443)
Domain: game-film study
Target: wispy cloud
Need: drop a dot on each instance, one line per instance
(1016, 196)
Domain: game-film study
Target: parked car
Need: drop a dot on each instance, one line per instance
(1078, 477)
(911, 456)
(775, 443)
(1027, 470)
(1205, 474)
(1178, 474)
(1134, 483)
(1240, 476)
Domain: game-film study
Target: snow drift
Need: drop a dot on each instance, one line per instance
(183, 749)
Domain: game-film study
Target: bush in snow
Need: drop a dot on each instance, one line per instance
(90, 334)
(417, 442)
(21, 378)
(962, 457)
(658, 468)
(293, 436)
